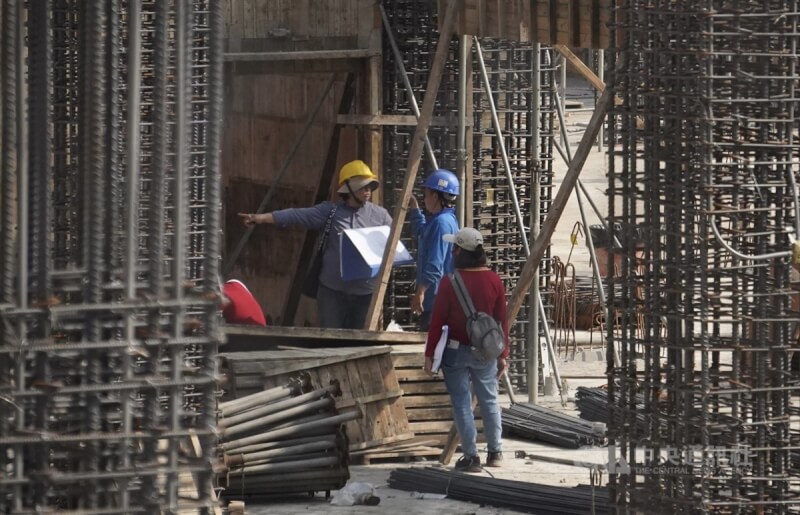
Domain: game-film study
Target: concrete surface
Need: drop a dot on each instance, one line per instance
(587, 369)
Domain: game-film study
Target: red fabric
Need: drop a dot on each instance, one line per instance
(242, 307)
(488, 295)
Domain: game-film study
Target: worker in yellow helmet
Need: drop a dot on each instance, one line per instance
(342, 304)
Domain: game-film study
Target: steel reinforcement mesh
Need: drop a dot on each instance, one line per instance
(510, 67)
(702, 180)
(110, 196)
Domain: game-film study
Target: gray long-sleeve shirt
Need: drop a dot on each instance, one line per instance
(314, 218)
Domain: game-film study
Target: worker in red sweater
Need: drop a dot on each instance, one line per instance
(239, 306)
(459, 364)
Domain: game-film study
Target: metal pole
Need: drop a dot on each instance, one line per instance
(398, 59)
(284, 167)
(464, 56)
(131, 218)
(535, 113)
(600, 74)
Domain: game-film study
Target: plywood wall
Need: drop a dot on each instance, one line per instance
(575, 23)
(265, 109)
(272, 25)
(265, 116)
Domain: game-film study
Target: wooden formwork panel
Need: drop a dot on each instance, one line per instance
(575, 23)
(427, 403)
(365, 375)
(504, 19)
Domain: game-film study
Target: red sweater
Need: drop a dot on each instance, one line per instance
(488, 295)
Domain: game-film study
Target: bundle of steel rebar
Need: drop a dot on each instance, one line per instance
(109, 254)
(502, 493)
(547, 425)
(285, 440)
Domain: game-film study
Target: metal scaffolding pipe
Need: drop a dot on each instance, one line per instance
(291, 430)
(274, 407)
(262, 422)
(257, 399)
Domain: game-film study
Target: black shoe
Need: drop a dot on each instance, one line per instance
(494, 459)
(470, 464)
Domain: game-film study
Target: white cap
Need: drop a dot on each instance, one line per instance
(467, 238)
(359, 182)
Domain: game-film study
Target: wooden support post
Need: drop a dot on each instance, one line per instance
(584, 70)
(557, 207)
(414, 156)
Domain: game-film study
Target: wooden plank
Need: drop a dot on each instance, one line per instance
(381, 441)
(414, 374)
(382, 396)
(420, 401)
(581, 68)
(424, 388)
(420, 414)
(416, 360)
(414, 156)
(301, 55)
(393, 119)
(557, 207)
(321, 333)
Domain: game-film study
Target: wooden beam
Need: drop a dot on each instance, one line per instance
(393, 119)
(414, 156)
(581, 68)
(320, 333)
(557, 207)
(301, 55)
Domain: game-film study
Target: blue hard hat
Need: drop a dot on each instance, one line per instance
(444, 181)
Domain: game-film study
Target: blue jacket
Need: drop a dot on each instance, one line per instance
(314, 218)
(434, 255)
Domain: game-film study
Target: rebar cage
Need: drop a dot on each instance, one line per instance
(510, 69)
(110, 251)
(702, 180)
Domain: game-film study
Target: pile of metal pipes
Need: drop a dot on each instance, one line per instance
(546, 425)
(285, 440)
(503, 493)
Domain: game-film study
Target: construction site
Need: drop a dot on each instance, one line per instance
(631, 167)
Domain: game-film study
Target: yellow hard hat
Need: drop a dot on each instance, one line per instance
(356, 169)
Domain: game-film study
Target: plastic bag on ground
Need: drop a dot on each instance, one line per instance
(355, 493)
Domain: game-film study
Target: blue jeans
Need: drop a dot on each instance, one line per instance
(460, 368)
(339, 310)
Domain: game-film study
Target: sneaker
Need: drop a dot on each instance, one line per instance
(494, 459)
(471, 464)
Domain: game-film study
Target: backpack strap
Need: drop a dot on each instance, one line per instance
(328, 222)
(463, 295)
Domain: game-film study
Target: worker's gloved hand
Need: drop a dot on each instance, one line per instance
(412, 202)
(428, 364)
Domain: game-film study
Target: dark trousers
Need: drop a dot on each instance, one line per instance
(339, 310)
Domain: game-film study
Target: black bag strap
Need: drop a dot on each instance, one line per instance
(463, 295)
(328, 223)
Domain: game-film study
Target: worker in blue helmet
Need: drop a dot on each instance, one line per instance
(434, 255)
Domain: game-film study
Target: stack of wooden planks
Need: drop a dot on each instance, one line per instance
(427, 403)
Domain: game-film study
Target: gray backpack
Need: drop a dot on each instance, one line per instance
(485, 333)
